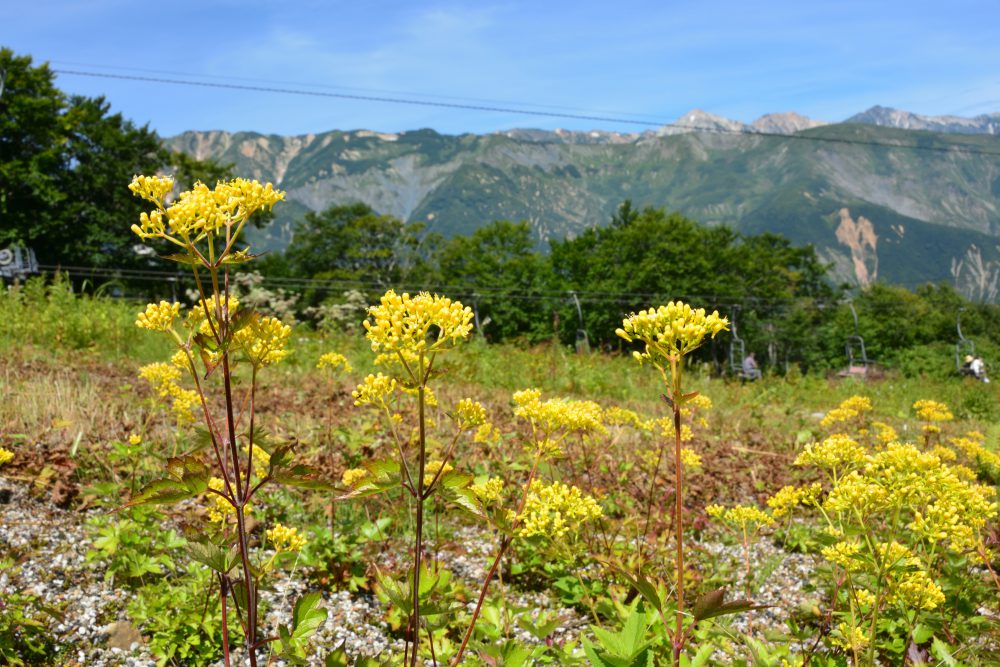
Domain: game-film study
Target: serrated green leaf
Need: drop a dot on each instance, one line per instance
(307, 616)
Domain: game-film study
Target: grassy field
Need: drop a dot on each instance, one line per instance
(897, 548)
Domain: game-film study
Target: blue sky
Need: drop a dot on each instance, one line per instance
(648, 61)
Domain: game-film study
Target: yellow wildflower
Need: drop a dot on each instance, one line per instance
(788, 497)
(741, 517)
(401, 322)
(490, 491)
(864, 597)
(843, 554)
(285, 538)
(915, 589)
(152, 188)
(856, 492)
(431, 469)
(470, 413)
(374, 390)
(5, 456)
(885, 433)
(487, 434)
(932, 411)
(837, 451)
(672, 330)
(334, 360)
(134, 439)
(162, 376)
(551, 511)
(558, 413)
(851, 639)
(689, 458)
(158, 316)
(263, 340)
(616, 416)
(354, 476)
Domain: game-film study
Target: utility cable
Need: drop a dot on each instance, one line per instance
(521, 111)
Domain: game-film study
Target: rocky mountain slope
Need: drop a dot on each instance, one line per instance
(877, 202)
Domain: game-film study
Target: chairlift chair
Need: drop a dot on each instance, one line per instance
(964, 347)
(858, 362)
(582, 342)
(737, 348)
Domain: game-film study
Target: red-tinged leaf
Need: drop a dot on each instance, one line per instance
(713, 604)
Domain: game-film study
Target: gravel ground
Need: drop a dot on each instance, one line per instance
(49, 546)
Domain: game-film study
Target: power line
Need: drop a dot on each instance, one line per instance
(523, 111)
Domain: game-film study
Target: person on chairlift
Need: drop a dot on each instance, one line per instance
(750, 369)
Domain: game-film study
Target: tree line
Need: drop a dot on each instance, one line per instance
(65, 160)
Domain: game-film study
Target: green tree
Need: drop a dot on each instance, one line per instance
(64, 166)
(498, 271)
(353, 244)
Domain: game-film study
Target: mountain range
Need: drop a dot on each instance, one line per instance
(885, 195)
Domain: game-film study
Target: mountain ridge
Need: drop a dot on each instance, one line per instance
(942, 190)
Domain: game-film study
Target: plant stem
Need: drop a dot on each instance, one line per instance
(678, 508)
(419, 537)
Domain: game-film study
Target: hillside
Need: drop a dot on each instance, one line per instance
(878, 202)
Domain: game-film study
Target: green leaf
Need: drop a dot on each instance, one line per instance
(713, 604)
(644, 587)
(921, 634)
(337, 657)
(308, 616)
(212, 556)
(302, 476)
(942, 652)
(181, 258)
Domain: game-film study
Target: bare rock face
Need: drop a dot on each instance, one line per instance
(785, 123)
(975, 277)
(860, 238)
(905, 120)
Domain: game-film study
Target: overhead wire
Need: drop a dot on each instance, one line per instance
(528, 112)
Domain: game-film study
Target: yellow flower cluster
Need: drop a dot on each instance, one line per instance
(374, 390)
(487, 434)
(5, 455)
(490, 491)
(152, 188)
(158, 316)
(740, 517)
(689, 458)
(617, 416)
(431, 469)
(553, 510)
(134, 439)
(857, 492)
(932, 411)
(285, 538)
(558, 413)
(403, 323)
(915, 588)
(972, 447)
(196, 319)
(843, 554)
(333, 360)
(353, 476)
(789, 497)
(164, 378)
(836, 452)
(851, 638)
(219, 508)
(470, 413)
(261, 459)
(200, 211)
(884, 433)
(672, 330)
(666, 425)
(263, 340)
